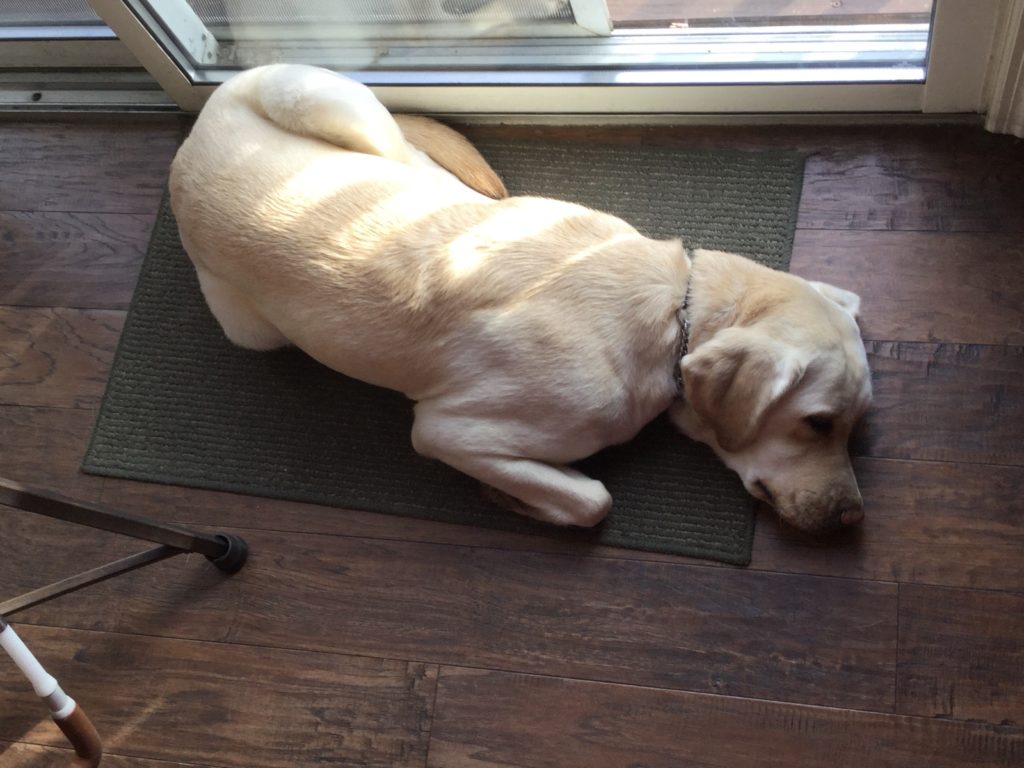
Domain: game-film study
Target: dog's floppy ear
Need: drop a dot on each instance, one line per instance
(734, 379)
(453, 152)
(848, 300)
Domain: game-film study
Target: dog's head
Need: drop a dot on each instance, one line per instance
(775, 386)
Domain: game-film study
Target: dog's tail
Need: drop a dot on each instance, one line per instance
(320, 104)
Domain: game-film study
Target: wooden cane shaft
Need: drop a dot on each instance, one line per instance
(80, 731)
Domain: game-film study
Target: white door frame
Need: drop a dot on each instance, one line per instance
(1004, 96)
(963, 32)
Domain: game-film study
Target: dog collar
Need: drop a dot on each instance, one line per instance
(683, 318)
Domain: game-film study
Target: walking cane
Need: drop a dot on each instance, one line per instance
(227, 551)
(70, 717)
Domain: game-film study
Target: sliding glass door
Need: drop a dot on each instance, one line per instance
(580, 57)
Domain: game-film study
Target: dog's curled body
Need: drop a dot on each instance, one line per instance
(530, 332)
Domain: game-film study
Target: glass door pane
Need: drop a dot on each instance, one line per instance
(364, 34)
(208, 37)
(47, 13)
(234, 20)
(665, 14)
(551, 41)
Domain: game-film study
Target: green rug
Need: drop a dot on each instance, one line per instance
(184, 406)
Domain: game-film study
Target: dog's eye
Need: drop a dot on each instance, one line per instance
(822, 425)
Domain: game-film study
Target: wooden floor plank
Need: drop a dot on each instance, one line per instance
(959, 189)
(95, 167)
(56, 357)
(923, 286)
(19, 755)
(182, 597)
(84, 260)
(926, 522)
(486, 718)
(945, 402)
(793, 638)
(70, 549)
(961, 654)
(45, 446)
(148, 696)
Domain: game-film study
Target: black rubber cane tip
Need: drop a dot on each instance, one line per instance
(234, 556)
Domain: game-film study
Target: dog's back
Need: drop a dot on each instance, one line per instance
(310, 223)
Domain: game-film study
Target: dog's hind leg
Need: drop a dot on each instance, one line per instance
(242, 324)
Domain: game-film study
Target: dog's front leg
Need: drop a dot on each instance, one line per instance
(550, 493)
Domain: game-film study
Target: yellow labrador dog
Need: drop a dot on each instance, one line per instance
(529, 332)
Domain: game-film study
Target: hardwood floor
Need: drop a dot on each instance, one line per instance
(356, 639)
